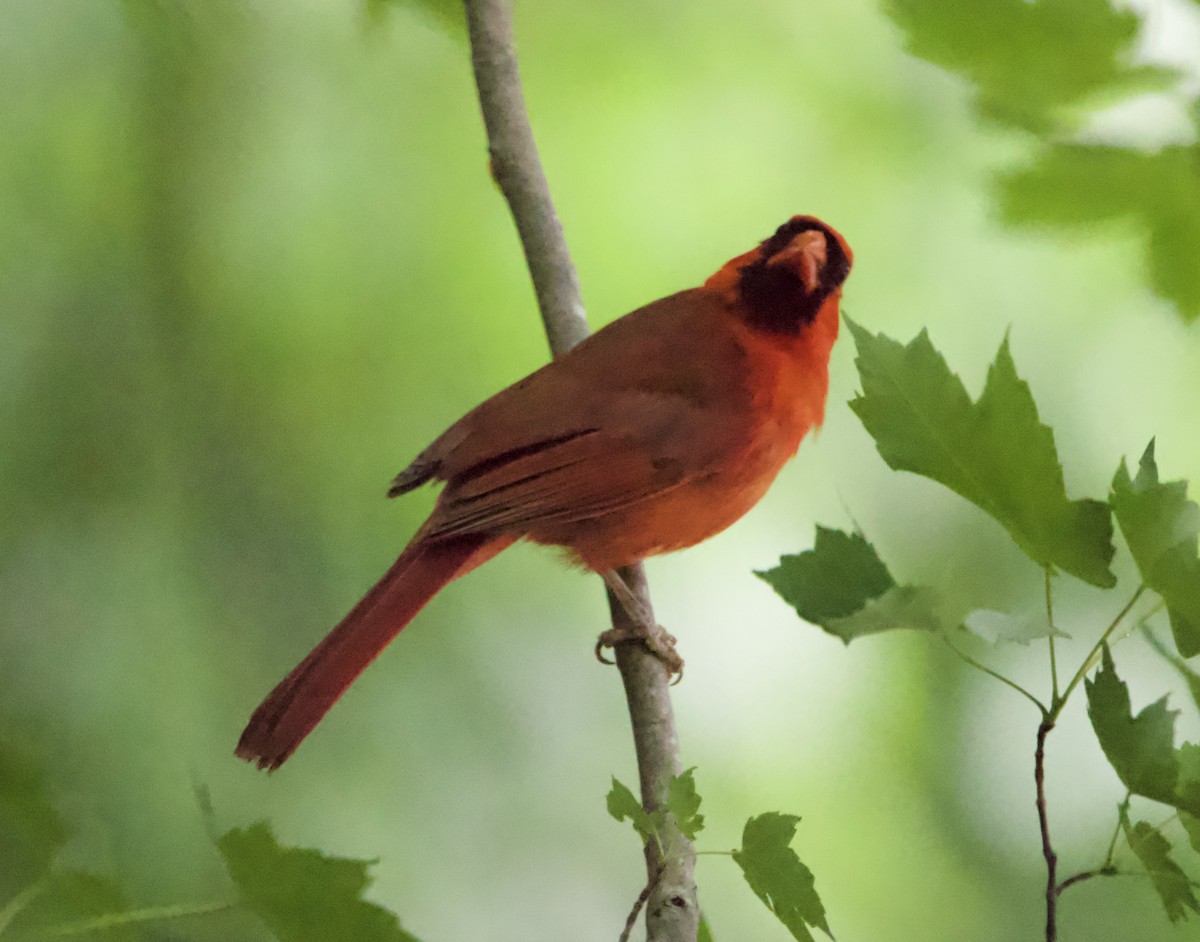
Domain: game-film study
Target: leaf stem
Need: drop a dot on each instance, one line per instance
(1050, 623)
(13, 907)
(1112, 845)
(996, 674)
(148, 914)
(1060, 702)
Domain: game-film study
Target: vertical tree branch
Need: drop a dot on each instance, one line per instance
(672, 913)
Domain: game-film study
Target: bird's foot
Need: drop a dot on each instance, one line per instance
(642, 629)
(657, 640)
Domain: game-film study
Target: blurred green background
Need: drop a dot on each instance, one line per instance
(251, 262)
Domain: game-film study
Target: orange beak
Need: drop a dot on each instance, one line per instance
(807, 254)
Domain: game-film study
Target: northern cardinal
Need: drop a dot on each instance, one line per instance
(653, 434)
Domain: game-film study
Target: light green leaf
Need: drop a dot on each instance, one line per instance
(68, 898)
(622, 804)
(1161, 526)
(995, 452)
(995, 627)
(777, 876)
(303, 895)
(447, 14)
(902, 606)
(705, 932)
(1171, 883)
(684, 803)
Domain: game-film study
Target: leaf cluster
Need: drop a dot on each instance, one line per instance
(299, 894)
(771, 868)
(997, 453)
(1059, 61)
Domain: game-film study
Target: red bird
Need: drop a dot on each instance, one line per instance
(653, 434)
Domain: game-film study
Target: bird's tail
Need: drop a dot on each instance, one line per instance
(294, 708)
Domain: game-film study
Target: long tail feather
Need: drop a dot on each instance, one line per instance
(294, 708)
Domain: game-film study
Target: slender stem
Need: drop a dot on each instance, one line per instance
(672, 912)
(14, 906)
(992, 673)
(1088, 661)
(1039, 777)
(1108, 871)
(1053, 631)
(631, 919)
(1112, 844)
(134, 916)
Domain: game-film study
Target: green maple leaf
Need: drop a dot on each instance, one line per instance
(1078, 185)
(1161, 527)
(1141, 749)
(843, 586)
(303, 895)
(1032, 63)
(684, 803)
(622, 804)
(1171, 883)
(994, 452)
(777, 876)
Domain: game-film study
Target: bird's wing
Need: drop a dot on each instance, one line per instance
(574, 476)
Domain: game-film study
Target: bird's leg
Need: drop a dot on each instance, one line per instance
(642, 628)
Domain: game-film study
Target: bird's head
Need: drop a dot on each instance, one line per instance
(784, 283)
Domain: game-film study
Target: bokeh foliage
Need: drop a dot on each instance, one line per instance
(251, 262)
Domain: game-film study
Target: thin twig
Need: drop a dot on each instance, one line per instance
(1087, 662)
(1108, 871)
(638, 903)
(1039, 778)
(979, 666)
(672, 913)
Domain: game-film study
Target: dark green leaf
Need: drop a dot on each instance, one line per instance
(622, 804)
(777, 876)
(684, 803)
(304, 895)
(1191, 824)
(837, 577)
(1141, 750)
(1031, 62)
(1153, 850)
(31, 829)
(1081, 184)
(1161, 525)
(996, 452)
